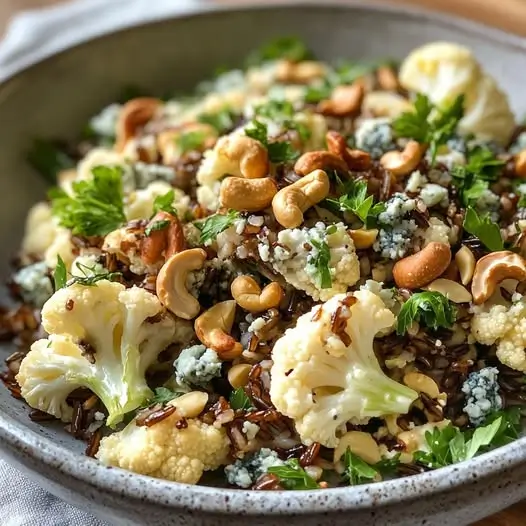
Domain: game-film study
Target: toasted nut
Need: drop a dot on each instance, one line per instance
(250, 195)
(167, 140)
(238, 375)
(422, 384)
(319, 160)
(451, 290)
(176, 241)
(520, 164)
(190, 405)
(356, 160)
(169, 239)
(465, 261)
(361, 444)
(249, 295)
(403, 163)
(345, 101)
(213, 330)
(171, 283)
(363, 238)
(385, 104)
(248, 158)
(290, 202)
(299, 72)
(451, 272)
(420, 269)
(490, 270)
(133, 115)
(387, 78)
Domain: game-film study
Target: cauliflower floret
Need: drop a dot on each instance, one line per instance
(482, 394)
(61, 246)
(303, 254)
(437, 231)
(35, 283)
(197, 366)
(244, 473)
(98, 157)
(87, 265)
(166, 452)
(40, 231)
(323, 379)
(375, 136)
(102, 337)
(506, 327)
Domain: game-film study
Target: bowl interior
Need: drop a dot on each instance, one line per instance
(55, 98)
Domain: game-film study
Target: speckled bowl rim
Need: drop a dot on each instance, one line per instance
(46, 454)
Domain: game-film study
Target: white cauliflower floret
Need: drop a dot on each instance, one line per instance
(102, 337)
(505, 327)
(319, 260)
(245, 472)
(99, 157)
(166, 452)
(197, 366)
(87, 265)
(322, 382)
(61, 246)
(40, 231)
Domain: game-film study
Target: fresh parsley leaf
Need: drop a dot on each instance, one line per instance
(278, 151)
(357, 471)
(286, 48)
(292, 476)
(430, 307)
(48, 159)
(96, 208)
(190, 141)
(318, 92)
(60, 276)
(484, 229)
(414, 124)
(483, 163)
(388, 466)
(240, 400)
(156, 226)
(213, 225)
(90, 276)
(163, 203)
(282, 112)
(510, 427)
(483, 436)
(321, 261)
(223, 120)
(162, 395)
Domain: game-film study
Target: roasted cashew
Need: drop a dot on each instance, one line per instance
(387, 78)
(249, 296)
(452, 290)
(299, 72)
(356, 160)
(490, 270)
(247, 195)
(167, 140)
(385, 104)
(520, 164)
(213, 328)
(171, 283)
(361, 444)
(420, 269)
(319, 160)
(248, 157)
(403, 163)
(363, 238)
(344, 101)
(133, 115)
(290, 202)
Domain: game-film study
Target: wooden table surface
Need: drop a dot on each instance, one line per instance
(509, 15)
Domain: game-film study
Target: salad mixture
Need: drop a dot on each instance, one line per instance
(303, 275)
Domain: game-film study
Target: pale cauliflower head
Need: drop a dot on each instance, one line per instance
(163, 451)
(102, 337)
(506, 327)
(322, 383)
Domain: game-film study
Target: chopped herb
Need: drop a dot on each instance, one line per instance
(190, 141)
(292, 476)
(278, 151)
(258, 131)
(318, 92)
(60, 276)
(357, 471)
(213, 225)
(48, 159)
(163, 203)
(90, 276)
(286, 48)
(240, 400)
(282, 112)
(321, 262)
(484, 228)
(162, 395)
(430, 307)
(223, 120)
(156, 226)
(96, 208)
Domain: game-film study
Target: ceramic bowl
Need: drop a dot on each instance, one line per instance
(55, 96)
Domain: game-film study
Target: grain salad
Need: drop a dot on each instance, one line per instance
(302, 275)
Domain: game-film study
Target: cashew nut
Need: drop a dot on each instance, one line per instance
(171, 283)
(249, 295)
(385, 104)
(344, 101)
(387, 78)
(465, 261)
(361, 444)
(190, 405)
(248, 157)
(238, 375)
(422, 383)
(250, 195)
(356, 160)
(452, 290)
(290, 202)
(299, 72)
(520, 164)
(167, 139)
(363, 238)
(403, 163)
(319, 160)
(490, 270)
(213, 328)
(133, 115)
(420, 269)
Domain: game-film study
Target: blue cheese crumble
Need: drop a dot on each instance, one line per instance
(375, 136)
(197, 366)
(35, 284)
(482, 394)
(244, 473)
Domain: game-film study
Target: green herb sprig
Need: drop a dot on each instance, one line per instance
(162, 395)
(357, 471)
(286, 48)
(213, 225)
(292, 476)
(190, 141)
(321, 261)
(278, 151)
(239, 400)
(164, 203)
(482, 227)
(223, 120)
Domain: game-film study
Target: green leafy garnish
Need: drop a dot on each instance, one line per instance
(60, 275)
(428, 124)
(163, 203)
(162, 395)
(190, 141)
(90, 276)
(292, 476)
(240, 400)
(482, 227)
(96, 208)
(156, 226)
(430, 307)
(282, 112)
(321, 262)
(357, 471)
(49, 159)
(222, 121)
(213, 225)
(286, 48)
(278, 151)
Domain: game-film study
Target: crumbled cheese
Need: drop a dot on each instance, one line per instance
(375, 136)
(489, 203)
(144, 174)
(35, 283)
(257, 325)
(230, 239)
(482, 394)
(250, 430)
(104, 123)
(396, 208)
(394, 242)
(415, 182)
(377, 287)
(244, 473)
(197, 366)
(433, 194)
(439, 177)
